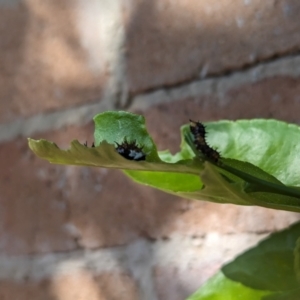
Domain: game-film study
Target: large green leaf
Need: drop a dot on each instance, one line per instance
(241, 182)
(289, 295)
(268, 271)
(297, 260)
(257, 167)
(269, 265)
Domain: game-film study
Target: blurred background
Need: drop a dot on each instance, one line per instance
(82, 233)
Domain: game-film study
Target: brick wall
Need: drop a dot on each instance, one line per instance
(70, 232)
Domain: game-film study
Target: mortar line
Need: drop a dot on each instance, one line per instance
(222, 73)
(44, 122)
(134, 259)
(287, 66)
(218, 85)
(140, 253)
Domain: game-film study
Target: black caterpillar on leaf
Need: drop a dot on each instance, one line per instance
(131, 151)
(199, 133)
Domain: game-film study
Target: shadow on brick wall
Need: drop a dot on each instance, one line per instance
(63, 209)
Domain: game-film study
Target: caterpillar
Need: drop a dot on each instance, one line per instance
(131, 151)
(199, 134)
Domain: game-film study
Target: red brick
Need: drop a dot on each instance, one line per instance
(82, 285)
(169, 42)
(126, 287)
(183, 264)
(43, 66)
(175, 284)
(203, 217)
(77, 285)
(121, 211)
(25, 290)
(34, 206)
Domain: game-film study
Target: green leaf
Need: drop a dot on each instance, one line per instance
(221, 288)
(253, 170)
(112, 128)
(174, 183)
(268, 271)
(297, 260)
(289, 295)
(269, 265)
(270, 145)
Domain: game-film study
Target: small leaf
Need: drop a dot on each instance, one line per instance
(221, 288)
(113, 127)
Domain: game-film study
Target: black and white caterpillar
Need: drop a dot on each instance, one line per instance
(130, 150)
